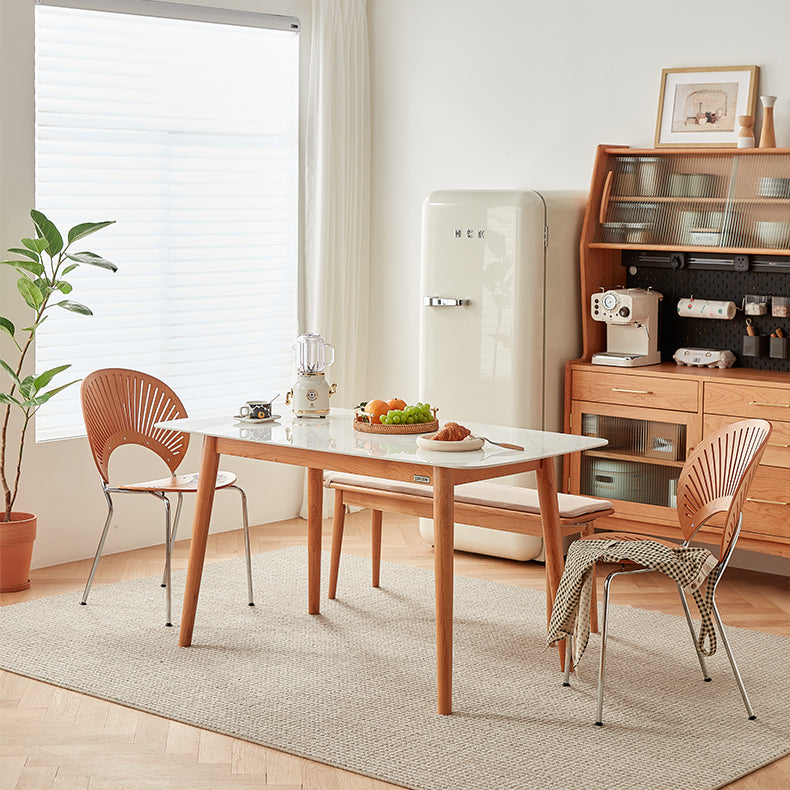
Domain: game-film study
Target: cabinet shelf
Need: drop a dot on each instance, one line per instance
(637, 457)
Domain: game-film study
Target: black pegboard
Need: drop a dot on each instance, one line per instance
(730, 286)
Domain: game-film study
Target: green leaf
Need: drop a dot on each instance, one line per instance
(75, 307)
(7, 326)
(9, 399)
(10, 372)
(30, 293)
(26, 266)
(69, 268)
(45, 396)
(37, 245)
(48, 375)
(63, 286)
(26, 386)
(93, 259)
(34, 256)
(86, 228)
(48, 230)
(34, 328)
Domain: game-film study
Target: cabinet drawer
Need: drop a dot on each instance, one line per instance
(767, 508)
(769, 403)
(649, 391)
(777, 453)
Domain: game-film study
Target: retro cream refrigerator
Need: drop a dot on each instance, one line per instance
(499, 317)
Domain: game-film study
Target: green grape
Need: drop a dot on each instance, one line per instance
(387, 420)
(396, 420)
(410, 420)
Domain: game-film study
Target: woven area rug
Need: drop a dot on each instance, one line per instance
(355, 686)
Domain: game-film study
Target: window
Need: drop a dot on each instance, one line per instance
(185, 132)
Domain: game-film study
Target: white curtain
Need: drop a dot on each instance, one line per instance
(337, 194)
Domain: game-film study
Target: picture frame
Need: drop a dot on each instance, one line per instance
(699, 107)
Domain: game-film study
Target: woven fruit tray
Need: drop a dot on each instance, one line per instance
(364, 426)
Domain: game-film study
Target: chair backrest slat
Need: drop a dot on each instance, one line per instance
(121, 407)
(717, 475)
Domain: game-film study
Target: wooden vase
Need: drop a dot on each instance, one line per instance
(746, 135)
(16, 551)
(767, 135)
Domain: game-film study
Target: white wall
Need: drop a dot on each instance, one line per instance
(516, 94)
(60, 483)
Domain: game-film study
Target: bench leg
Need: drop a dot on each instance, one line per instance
(338, 522)
(375, 544)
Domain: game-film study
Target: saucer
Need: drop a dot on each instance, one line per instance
(253, 421)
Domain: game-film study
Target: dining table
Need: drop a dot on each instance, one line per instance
(332, 443)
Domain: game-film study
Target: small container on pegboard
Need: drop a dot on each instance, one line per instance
(756, 304)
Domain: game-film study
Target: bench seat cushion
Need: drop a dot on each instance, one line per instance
(478, 493)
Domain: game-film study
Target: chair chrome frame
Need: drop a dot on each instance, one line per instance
(170, 539)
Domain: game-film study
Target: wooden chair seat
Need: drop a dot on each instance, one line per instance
(185, 484)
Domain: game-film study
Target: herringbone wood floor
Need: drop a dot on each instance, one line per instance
(53, 738)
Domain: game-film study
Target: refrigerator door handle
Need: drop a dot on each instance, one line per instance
(441, 301)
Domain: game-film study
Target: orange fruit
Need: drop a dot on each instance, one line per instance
(375, 408)
(397, 403)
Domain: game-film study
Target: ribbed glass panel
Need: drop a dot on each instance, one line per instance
(186, 134)
(723, 199)
(641, 463)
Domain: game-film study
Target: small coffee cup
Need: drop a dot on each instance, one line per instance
(256, 410)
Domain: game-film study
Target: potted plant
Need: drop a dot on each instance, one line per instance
(42, 264)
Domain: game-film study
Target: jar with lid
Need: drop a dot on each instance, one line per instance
(648, 175)
(625, 175)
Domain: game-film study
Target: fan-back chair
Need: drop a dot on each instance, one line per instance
(122, 407)
(714, 480)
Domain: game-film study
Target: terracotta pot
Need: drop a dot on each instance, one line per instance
(16, 550)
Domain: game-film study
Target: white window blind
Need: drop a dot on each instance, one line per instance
(186, 133)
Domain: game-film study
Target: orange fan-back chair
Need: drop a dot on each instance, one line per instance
(715, 480)
(123, 407)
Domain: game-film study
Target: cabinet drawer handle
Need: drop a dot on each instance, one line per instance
(777, 405)
(766, 501)
(633, 392)
(776, 444)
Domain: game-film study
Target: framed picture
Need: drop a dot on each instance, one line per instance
(700, 106)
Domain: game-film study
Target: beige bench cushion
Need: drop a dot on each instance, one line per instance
(479, 493)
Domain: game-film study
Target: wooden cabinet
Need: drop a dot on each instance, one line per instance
(721, 210)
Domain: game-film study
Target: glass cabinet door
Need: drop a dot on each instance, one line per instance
(643, 458)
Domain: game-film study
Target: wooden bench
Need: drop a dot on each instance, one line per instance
(482, 504)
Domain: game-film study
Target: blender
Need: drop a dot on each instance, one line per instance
(310, 395)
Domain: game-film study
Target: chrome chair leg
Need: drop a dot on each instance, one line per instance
(103, 537)
(568, 660)
(734, 666)
(690, 623)
(247, 553)
(602, 666)
(175, 529)
(168, 585)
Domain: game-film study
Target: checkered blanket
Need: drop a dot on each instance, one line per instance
(689, 566)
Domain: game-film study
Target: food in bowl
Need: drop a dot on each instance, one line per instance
(452, 432)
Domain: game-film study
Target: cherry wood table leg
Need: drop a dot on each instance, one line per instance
(550, 518)
(315, 501)
(338, 524)
(375, 546)
(443, 530)
(209, 463)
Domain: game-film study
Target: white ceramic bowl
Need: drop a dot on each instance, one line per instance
(773, 234)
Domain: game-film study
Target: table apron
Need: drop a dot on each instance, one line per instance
(373, 467)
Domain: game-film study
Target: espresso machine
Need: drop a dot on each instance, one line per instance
(310, 395)
(631, 317)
